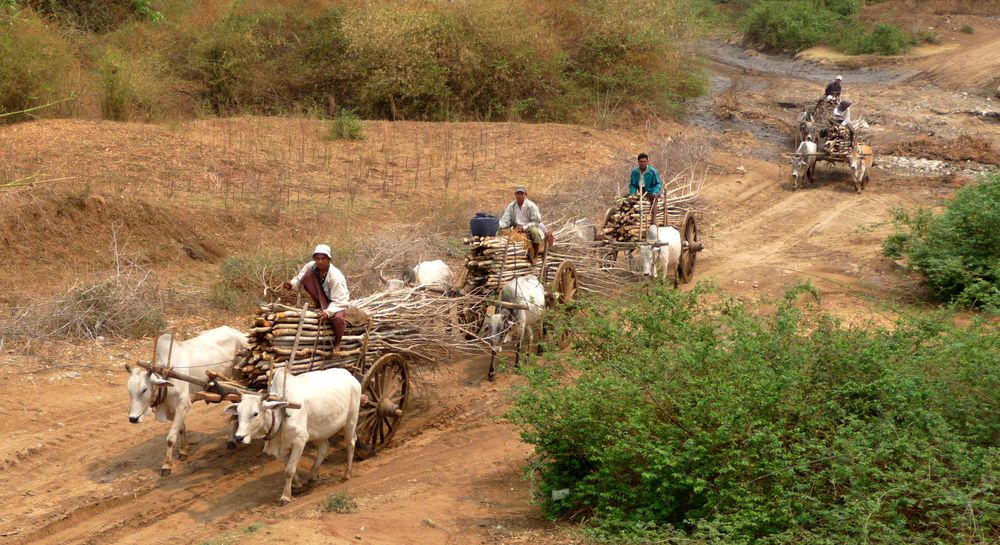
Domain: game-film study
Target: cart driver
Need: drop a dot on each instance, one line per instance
(328, 289)
(523, 215)
(646, 181)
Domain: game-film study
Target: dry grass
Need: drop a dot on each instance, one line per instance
(979, 149)
(127, 303)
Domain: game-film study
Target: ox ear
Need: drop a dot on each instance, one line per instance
(128, 368)
(275, 405)
(232, 409)
(160, 381)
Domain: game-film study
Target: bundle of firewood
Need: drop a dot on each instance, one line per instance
(838, 139)
(679, 195)
(488, 267)
(378, 324)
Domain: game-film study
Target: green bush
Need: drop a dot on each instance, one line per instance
(243, 279)
(346, 126)
(791, 24)
(967, 29)
(686, 416)
(958, 251)
(37, 66)
(800, 24)
(927, 36)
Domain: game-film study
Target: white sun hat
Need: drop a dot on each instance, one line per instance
(322, 249)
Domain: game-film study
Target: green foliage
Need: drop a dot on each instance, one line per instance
(793, 24)
(967, 29)
(800, 24)
(346, 126)
(927, 36)
(36, 66)
(396, 60)
(883, 39)
(340, 503)
(243, 279)
(685, 416)
(958, 251)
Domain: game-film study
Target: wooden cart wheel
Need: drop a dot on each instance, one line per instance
(685, 269)
(564, 284)
(386, 386)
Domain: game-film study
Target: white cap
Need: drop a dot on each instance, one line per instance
(840, 77)
(322, 249)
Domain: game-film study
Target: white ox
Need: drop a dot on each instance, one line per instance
(663, 253)
(214, 350)
(431, 274)
(527, 294)
(330, 401)
(804, 162)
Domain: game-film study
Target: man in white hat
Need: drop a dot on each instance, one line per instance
(328, 289)
(833, 88)
(523, 215)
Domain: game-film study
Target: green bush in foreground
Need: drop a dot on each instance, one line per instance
(687, 419)
(958, 251)
(346, 126)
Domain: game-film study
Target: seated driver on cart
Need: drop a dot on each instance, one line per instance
(645, 179)
(328, 289)
(523, 215)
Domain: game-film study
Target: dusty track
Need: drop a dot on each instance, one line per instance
(73, 470)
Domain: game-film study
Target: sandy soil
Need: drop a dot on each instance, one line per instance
(73, 470)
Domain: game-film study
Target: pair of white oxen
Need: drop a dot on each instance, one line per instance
(329, 402)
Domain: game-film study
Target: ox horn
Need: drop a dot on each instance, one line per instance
(382, 276)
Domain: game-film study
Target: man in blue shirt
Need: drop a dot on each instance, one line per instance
(646, 181)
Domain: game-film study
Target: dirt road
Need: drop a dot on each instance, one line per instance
(73, 470)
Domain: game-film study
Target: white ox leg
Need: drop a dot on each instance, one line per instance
(293, 462)
(322, 448)
(176, 425)
(350, 437)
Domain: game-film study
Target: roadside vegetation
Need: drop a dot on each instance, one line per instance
(795, 25)
(957, 251)
(688, 417)
(586, 61)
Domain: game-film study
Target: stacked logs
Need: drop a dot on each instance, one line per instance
(838, 140)
(486, 264)
(625, 223)
(272, 338)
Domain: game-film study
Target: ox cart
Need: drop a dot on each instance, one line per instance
(819, 139)
(494, 261)
(379, 348)
(623, 232)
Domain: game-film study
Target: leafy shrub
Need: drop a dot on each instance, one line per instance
(958, 251)
(691, 417)
(967, 29)
(346, 126)
(133, 86)
(340, 503)
(37, 66)
(792, 24)
(800, 24)
(244, 278)
(928, 36)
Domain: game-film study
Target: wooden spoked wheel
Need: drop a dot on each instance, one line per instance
(685, 269)
(564, 283)
(385, 390)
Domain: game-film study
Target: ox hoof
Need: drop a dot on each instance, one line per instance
(285, 500)
(346, 476)
(164, 471)
(182, 457)
(231, 445)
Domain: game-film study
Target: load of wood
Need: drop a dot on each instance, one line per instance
(486, 263)
(629, 218)
(378, 324)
